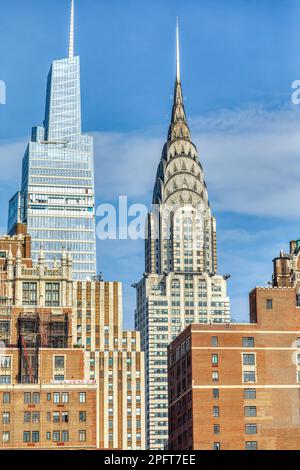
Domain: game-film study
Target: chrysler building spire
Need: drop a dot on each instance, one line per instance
(180, 284)
(71, 41)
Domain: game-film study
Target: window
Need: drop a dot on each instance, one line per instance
(35, 436)
(59, 362)
(52, 294)
(216, 429)
(5, 362)
(216, 446)
(248, 342)
(35, 417)
(215, 376)
(65, 417)
(56, 436)
(5, 379)
(36, 397)
(251, 429)
(5, 417)
(27, 417)
(82, 397)
(269, 304)
(250, 394)
(249, 377)
(6, 437)
(48, 436)
(216, 393)
(251, 445)
(65, 436)
(26, 436)
(65, 397)
(214, 341)
(48, 396)
(250, 411)
(249, 359)
(29, 293)
(59, 377)
(82, 416)
(214, 359)
(216, 411)
(6, 399)
(298, 342)
(56, 397)
(27, 398)
(56, 417)
(82, 436)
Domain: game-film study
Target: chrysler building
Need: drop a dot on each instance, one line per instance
(180, 285)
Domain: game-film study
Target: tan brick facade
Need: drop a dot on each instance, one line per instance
(62, 338)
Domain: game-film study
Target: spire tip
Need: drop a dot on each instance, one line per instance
(177, 52)
(71, 41)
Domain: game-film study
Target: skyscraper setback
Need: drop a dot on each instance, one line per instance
(57, 200)
(180, 285)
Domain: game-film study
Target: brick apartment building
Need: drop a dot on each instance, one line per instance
(237, 386)
(70, 377)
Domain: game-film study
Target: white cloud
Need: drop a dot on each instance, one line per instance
(251, 159)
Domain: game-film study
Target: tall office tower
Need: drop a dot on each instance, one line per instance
(180, 285)
(56, 200)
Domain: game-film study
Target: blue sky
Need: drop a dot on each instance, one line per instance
(239, 58)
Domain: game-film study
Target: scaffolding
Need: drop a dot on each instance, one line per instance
(39, 330)
(5, 310)
(29, 344)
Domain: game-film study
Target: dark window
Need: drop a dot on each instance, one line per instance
(214, 359)
(249, 359)
(269, 304)
(6, 417)
(59, 362)
(249, 377)
(26, 436)
(214, 341)
(216, 446)
(56, 436)
(82, 416)
(250, 393)
(251, 428)
(216, 429)
(251, 445)
(29, 293)
(36, 397)
(52, 294)
(216, 393)
(27, 398)
(65, 436)
(6, 398)
(248, 342)
(35, 436)
(250, 411)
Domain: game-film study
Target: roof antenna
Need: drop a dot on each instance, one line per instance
(71, 42)
(177, 53)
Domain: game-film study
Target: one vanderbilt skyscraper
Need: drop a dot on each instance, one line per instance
(57, 199)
